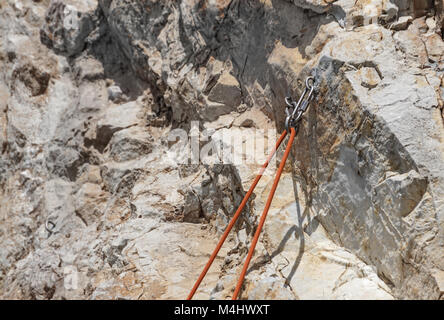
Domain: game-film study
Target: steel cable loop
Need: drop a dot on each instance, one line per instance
(264, 215)
(236, 216)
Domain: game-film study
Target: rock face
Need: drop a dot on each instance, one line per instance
(101, 199)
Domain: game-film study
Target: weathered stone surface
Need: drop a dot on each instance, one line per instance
(435, 47)
(68, 24)
(89, 203)
(91, 90)
(131, 143)
(115, 118)
(226, 91)
(401, 24)
(400, 193)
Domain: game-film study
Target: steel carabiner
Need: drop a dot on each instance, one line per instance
(300, 107)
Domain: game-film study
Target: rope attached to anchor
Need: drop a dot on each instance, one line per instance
(294, 113)
(236, 216)
(264, 214)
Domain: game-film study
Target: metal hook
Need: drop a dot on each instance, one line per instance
(307, 83)
(309, 89)
(301, 106)
(49, 226)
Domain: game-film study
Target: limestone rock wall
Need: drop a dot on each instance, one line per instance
(94, 204)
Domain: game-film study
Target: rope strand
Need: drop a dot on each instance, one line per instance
(236, 216)
(264, 215)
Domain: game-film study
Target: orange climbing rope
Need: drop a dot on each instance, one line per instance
(236, 216)
(291, 122)
(264, 214)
